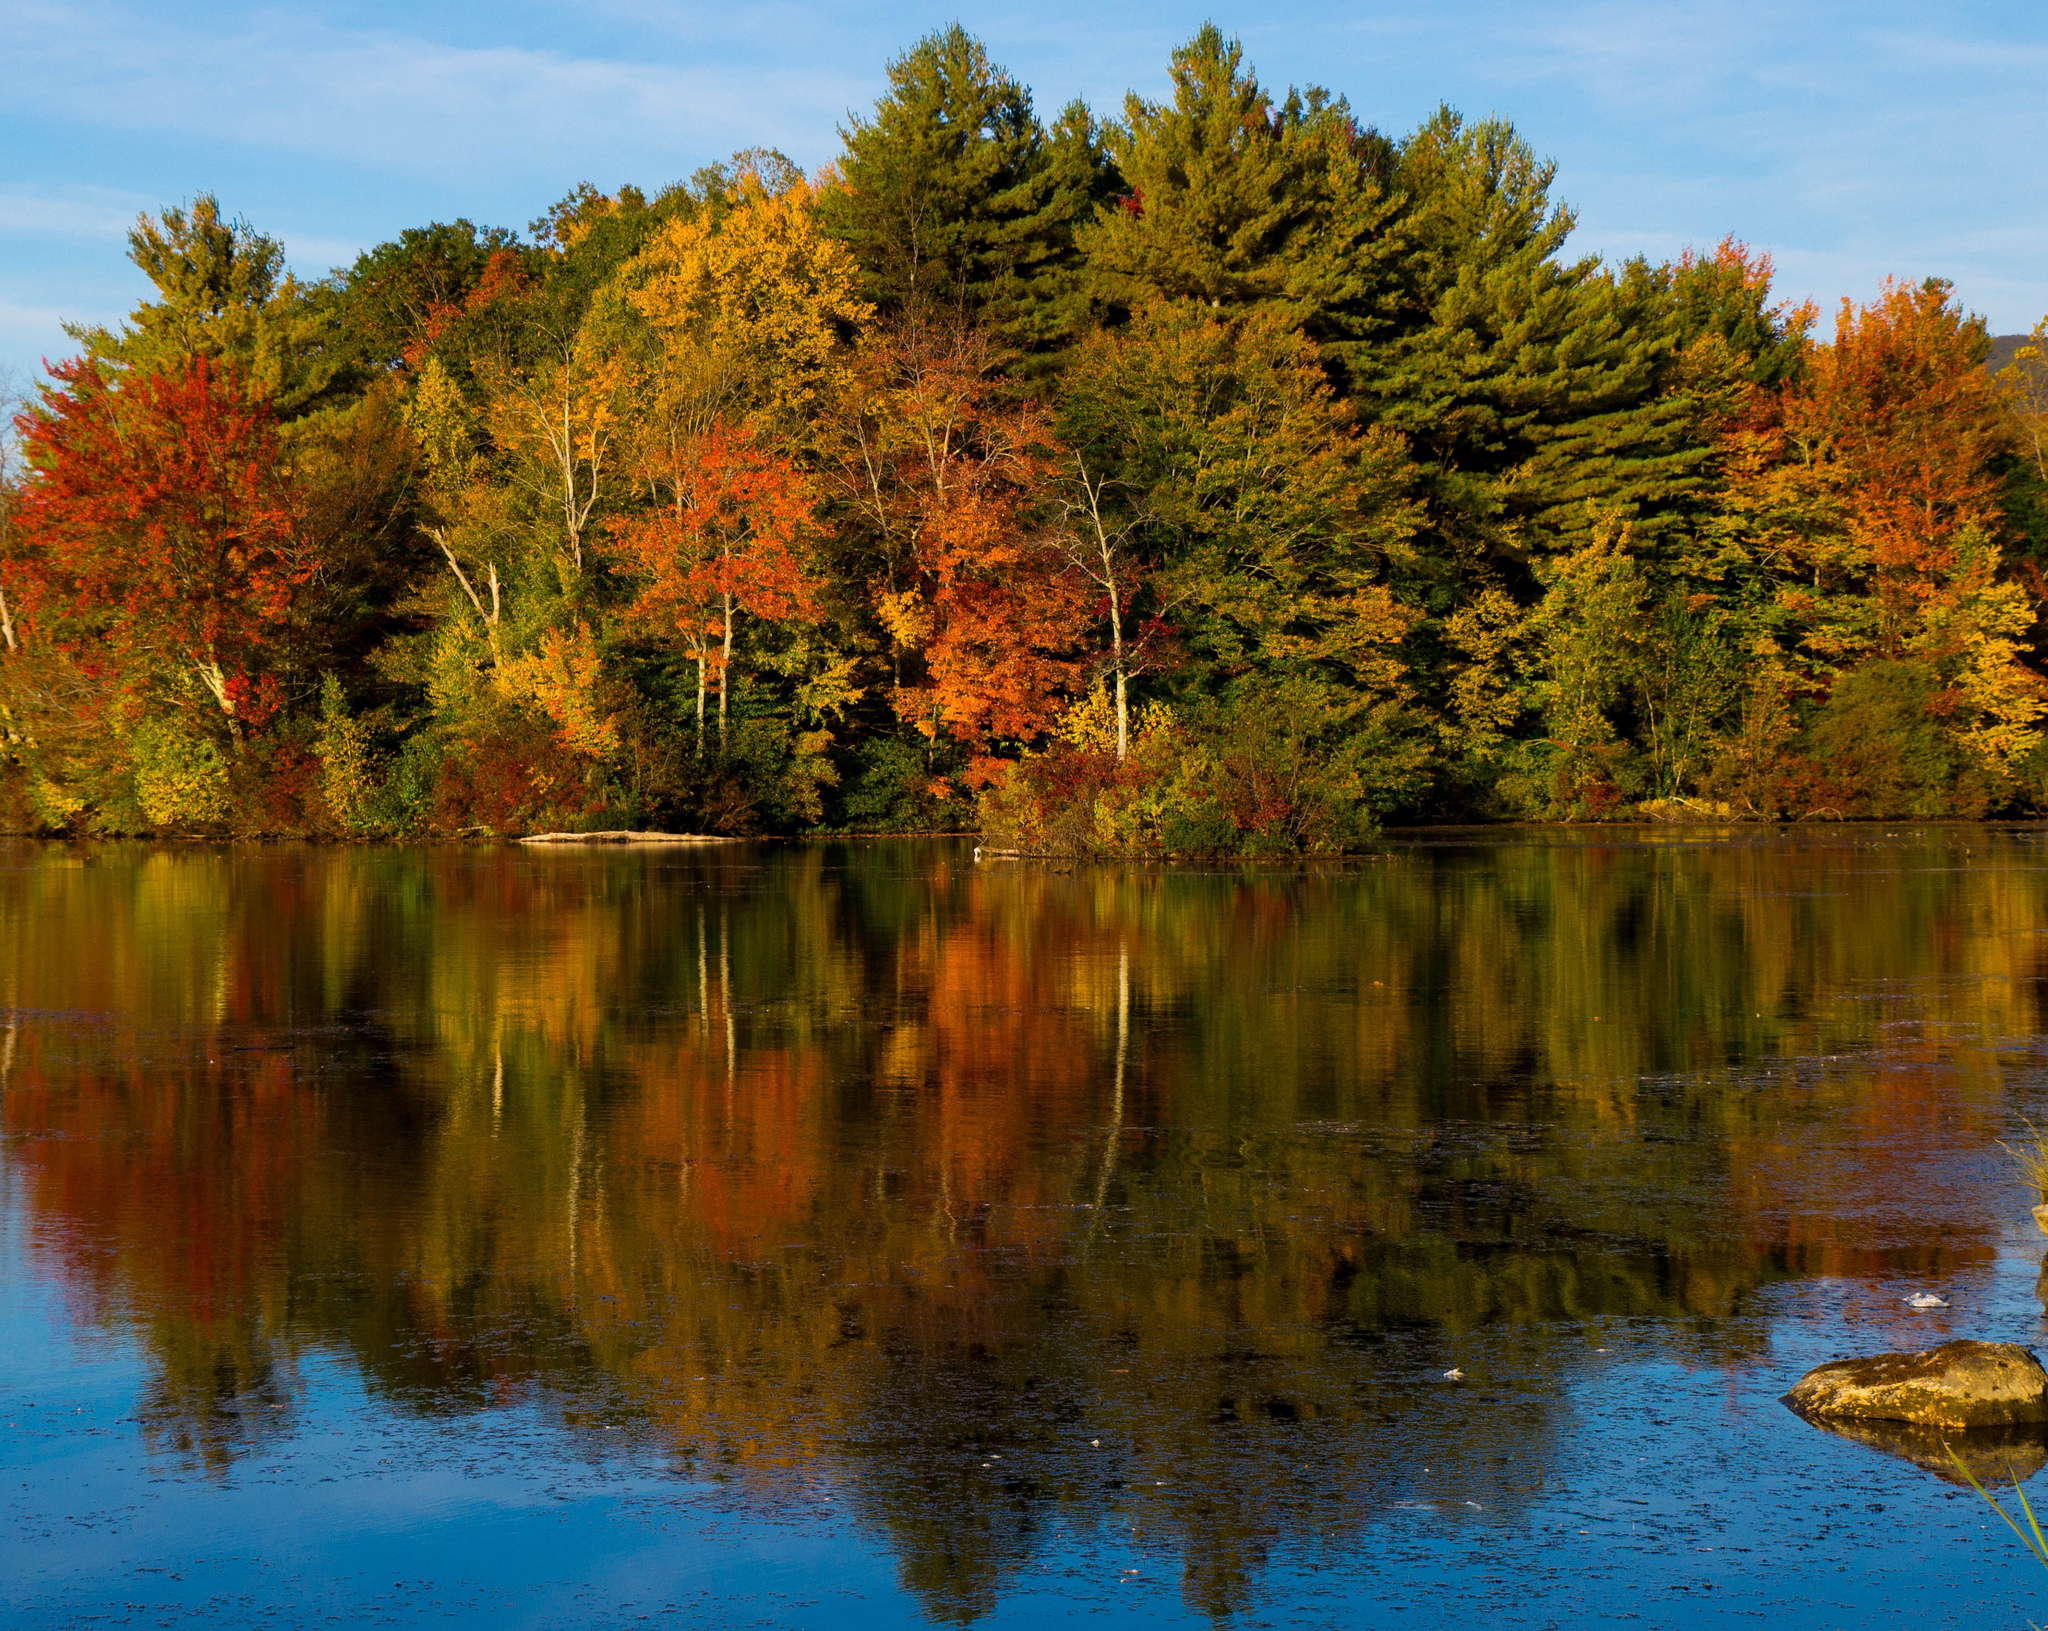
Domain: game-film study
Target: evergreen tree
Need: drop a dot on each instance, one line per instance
(954, 196)
(1529, 388)
(1234, 202)
(1428, 274)
(223, 294)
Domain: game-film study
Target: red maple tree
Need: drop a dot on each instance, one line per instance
(159, 526)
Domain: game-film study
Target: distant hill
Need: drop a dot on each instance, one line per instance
(2002, 348)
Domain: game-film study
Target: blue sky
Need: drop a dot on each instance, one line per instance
(1850, 140)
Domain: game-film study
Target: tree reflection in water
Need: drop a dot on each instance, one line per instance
(980, 1198)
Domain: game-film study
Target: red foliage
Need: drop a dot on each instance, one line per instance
(727, 543)
(514, 774)
(504, 279)
(158, 523)
(952, 468)
(733, 529)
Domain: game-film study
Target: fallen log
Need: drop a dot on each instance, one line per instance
(627, 838)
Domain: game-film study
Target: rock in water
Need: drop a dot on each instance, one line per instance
(1959, 1384)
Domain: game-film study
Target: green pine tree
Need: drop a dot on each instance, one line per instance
(954, 198)
(1237, 203)
(1529, 387)
(223, 293)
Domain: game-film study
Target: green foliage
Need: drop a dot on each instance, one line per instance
(889, 787)
(1306, 451)
(1883, 747)
(1294, 770)
(1235, 202)
(398, 296)
(222, 292)
(1528, 387)
(953, 196)
(1270, 517)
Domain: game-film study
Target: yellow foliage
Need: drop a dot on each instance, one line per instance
(907, 617)
(53, 803)
(564, 679)
(1486, 694)
(763, 290)
(1090, 723)
(347, 776)
(1972, 632)
(180, 778)
(438, 418)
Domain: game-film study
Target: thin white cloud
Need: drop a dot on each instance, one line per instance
(315, 257)
(394, 100)
(2006, 56)
(1854, 136)
(31, 332)
(93, 214)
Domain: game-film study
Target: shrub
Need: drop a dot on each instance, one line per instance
(512, 772)
(1880, 741)
(898, 784)
(347, 771)
(1286, 773)
(181, 776)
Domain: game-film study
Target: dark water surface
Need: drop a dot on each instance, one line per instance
(848, 1236)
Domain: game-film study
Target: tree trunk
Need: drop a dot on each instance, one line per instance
(216, 683)
(700, 699)
(490, 618)
(1123, 705)
(724, 671)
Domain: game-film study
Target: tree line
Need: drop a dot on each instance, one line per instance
(1225, 477)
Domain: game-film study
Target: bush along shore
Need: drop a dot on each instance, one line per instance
(1223, 476)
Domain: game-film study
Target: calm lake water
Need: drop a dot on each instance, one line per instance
(848, 1236)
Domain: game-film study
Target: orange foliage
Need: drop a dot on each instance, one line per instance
(947, 463)
(1912, 423)
(1878, 462)
(728, 541)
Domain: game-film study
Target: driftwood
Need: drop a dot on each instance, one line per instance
(626, 838)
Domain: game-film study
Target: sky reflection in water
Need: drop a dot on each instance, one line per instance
(846, 1235)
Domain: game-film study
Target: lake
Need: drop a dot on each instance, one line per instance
(849, 1234)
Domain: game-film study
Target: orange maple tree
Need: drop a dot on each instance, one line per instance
(727, 542)
(946, 462)
(1902, 409)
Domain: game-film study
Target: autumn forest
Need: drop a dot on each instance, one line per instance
(1228, 476)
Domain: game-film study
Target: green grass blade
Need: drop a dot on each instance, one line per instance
(2040, 1547)
(2035, 1542)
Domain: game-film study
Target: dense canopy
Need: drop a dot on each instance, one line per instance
(1225, 476)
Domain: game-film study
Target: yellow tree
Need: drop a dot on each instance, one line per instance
(559, 415)
(440, 422)
(752, 308)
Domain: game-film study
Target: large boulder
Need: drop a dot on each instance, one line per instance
(1958, 1385)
